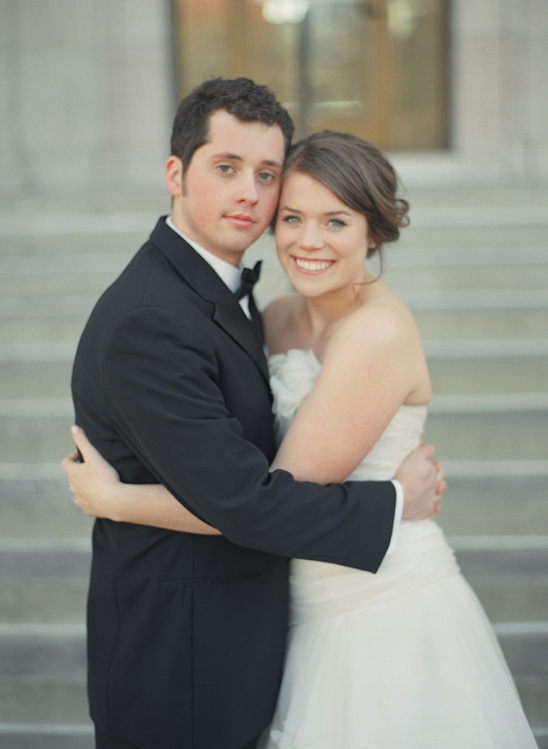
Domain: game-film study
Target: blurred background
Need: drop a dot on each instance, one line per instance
(454, 92)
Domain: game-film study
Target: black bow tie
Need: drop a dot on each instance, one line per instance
(250, 276)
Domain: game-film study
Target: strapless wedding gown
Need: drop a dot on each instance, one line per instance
(401, 659)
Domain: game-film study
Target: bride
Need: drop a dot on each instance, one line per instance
(404, 658)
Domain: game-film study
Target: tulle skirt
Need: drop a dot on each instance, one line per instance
(403, 659)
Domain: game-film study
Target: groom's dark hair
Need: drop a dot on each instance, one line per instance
(240, 97)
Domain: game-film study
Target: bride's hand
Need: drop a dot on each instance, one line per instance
(93, 483)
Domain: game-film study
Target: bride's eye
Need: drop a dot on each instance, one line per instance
(291, 219)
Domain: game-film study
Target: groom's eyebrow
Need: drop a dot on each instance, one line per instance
(236, 157)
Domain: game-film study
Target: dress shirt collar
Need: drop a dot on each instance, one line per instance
(227, 272)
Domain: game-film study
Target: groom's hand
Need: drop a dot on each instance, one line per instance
(423, 484)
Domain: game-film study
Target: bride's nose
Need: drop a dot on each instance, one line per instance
(310, 238)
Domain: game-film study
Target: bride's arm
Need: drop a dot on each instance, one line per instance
(97, 490)
(371, 366)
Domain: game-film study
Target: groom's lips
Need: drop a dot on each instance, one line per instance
(241, 219)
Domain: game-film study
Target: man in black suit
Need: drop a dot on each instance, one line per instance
(186, 633)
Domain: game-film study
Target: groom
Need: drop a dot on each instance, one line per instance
(186, 633)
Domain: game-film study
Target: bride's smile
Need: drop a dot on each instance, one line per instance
(312, 266)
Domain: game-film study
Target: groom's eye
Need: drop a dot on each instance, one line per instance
(266, 177)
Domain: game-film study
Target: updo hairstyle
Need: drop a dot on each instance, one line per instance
(359, 175)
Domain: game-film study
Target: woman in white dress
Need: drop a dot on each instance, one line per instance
(404, 658)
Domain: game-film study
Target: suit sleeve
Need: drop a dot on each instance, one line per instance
(165, 398)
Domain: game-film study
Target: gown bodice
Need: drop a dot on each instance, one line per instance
(292, 377)
(422, 556)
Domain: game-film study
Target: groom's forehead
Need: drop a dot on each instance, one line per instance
(240, 138)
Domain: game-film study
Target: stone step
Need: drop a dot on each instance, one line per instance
(495, 498)
(37, 377)
(465, 375)
(504, 259)
(94, 278)
(425, 269)
(463, 427)
(47, 329)
(472, 300)
(65, 282)
(442, 225)
(488, 426)
(43, 673)
(46, 579)
(430, 212)
(65, 703)
(449, 237)
(37, 503)
(508, 574)
(465, 324)
(49, 273)
(44, 370)
(32, 735)
(35, 430)
(526, 650)
(483, 498)
(471, 276)
(44, 736)
(45, 324)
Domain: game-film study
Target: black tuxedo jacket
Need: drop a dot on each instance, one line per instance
(186, 633)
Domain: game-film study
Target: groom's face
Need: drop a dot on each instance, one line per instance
(227, 196)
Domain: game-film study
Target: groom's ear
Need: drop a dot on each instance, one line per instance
(174, 176)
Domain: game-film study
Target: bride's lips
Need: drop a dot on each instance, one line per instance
(241, 220)
(309, 266)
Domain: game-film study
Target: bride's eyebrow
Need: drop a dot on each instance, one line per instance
(327, 213)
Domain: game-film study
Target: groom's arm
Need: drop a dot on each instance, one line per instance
(169, 407)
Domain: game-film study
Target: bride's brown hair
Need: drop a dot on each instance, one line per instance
(359, 175)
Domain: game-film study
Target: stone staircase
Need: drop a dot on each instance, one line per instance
(473, 266)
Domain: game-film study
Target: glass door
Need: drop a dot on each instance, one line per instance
(376, 68)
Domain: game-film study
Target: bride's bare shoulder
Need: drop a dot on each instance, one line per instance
(383, 322)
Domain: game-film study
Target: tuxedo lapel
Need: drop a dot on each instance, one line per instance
(230, 316)
(256, 319)
(201, 277)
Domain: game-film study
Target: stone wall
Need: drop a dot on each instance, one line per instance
(87, 96)
(498, 98)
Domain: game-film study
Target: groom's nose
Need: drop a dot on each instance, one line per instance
(247, 189)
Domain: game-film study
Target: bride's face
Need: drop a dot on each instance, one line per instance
(321, 242)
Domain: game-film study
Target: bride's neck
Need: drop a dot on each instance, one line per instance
(322, 316)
